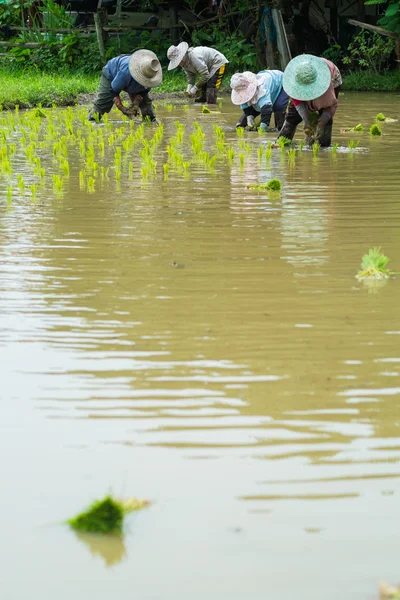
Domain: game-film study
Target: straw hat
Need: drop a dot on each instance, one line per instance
(145, 67)
(175, 54)
(244, 86)
(306, 77)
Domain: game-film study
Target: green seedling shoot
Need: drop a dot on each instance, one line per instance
(291, 155)
(373, 265)
(268, 152)
(166, 169)
(358, 127)
(240, 132)
(273, 185)
(241, 159)
(375, 130)
(315, 149)
(169, 107)
(260, 153)
(205, 110)
(353, 144)
(380, 117)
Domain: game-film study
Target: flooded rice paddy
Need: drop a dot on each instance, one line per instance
(169, 333)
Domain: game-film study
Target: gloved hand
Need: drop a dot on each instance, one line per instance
(187, 91)
(132, 110)
(193, 91)
(265, 129)
(309, 133)
(250, 123)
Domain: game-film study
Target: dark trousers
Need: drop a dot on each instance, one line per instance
(105, 101)
(293, 119)
(209, 90)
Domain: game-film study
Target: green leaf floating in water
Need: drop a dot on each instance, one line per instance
(273, 185)
(106, 516)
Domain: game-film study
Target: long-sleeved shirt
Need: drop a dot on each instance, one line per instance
(328, 101)
(203, 62)
(269, 86)
(117, 71)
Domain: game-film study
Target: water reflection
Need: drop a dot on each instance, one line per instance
(111, 548)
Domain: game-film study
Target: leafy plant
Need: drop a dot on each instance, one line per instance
(315, 148)
(391, 18)
(234, 45)
(105, 516)
(370, 51)
(380, 117)
(353, 144)
(273, 185)
(373, 265)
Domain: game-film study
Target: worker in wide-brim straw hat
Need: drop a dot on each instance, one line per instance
(260, 94)
(313, 84)
(205, 69)
(134, 74)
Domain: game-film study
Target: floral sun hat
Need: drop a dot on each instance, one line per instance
(175, 54)
(244, 86)
(306, 77)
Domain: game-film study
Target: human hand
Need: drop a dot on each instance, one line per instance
(250, 123)
(132, 110)
(193, 91)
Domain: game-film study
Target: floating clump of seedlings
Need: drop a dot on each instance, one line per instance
(205, 110)
(375, 130)
(373, 265)
(380, 117)
(273, 185)
(106, 516)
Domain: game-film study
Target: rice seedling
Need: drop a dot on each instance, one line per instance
(375, 130)
(130, 170)
(169, 107)
(268, 152)
(205, 110)
(230, 153)
(82, 179)
(105, 516)
(334, 148)
(33, 190)
(301, 145)
(9, 195)
(353, 144)
(380, 117)
(260, 153)
(58, 183)
(185, 107)
(373, 265)
(240, 132)
(118, 174)
(166, 169)
(186, 166)
(358, 127)
(315, 149)
(20, 182)
(91, 185)
(291, 155)
(241, 159)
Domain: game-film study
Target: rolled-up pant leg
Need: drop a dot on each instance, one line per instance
(104, 99)
(213, 85)
(292, 119)
(326, 137)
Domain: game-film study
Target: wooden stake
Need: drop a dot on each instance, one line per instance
(100, 39)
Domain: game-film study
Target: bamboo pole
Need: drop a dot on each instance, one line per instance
(100, 38)
(374, 28)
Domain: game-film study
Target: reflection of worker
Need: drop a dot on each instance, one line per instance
(134, 74)
(207, 64)
(313, 85)
(260, 94)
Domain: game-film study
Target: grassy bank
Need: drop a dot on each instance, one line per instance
(363, 81)
(30, 88)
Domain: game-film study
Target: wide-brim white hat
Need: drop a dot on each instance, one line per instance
(175, 54)
(306, 77)
(244, 86)
(145, 67)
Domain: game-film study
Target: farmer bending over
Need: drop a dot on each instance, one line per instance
(260, 94)
(313, 85)
(207, 64)
(134, 74)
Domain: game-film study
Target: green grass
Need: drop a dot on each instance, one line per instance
(28, 88)
(365, 81)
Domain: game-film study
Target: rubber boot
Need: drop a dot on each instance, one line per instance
(202, 97)
(279, 118)
(211, 95)
(288, 130)
(324, 138)
(147, 109)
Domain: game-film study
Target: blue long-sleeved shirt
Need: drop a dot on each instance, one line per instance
(117, 71)
(271, 81)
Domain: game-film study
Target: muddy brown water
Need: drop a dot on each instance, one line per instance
(196, 343)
